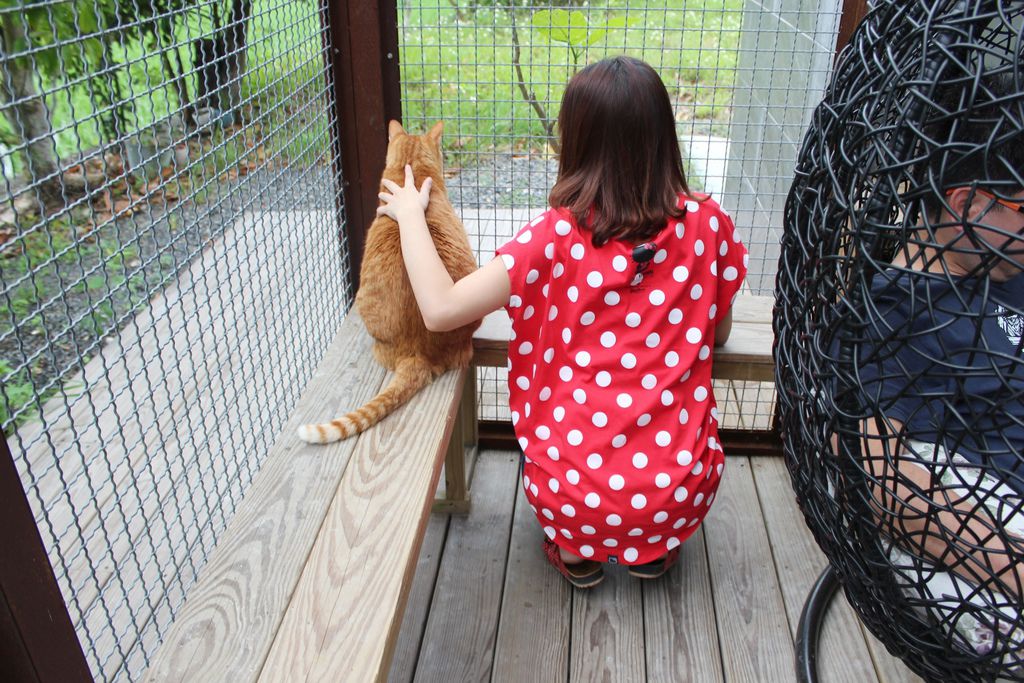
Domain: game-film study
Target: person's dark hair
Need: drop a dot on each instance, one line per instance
(619, 170)
(975, 140)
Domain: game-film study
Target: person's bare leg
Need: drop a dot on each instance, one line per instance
(568, 557)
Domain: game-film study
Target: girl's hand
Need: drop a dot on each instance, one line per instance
(406, 200)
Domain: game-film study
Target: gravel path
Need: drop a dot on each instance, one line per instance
(504, 181)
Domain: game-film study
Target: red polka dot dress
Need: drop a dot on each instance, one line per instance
(610, 379)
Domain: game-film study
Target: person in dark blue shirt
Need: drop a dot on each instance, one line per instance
(942, 365)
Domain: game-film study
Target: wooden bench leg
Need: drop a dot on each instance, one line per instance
(468, 411)
(463, 439)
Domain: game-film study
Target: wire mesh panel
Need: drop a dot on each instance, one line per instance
(171, 277)
(743, 74)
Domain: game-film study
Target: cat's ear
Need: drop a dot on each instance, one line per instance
(435, 133)
(394, 130)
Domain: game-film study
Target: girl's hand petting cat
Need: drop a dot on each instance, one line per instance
(404, 201)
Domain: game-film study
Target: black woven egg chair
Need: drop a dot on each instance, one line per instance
(900, 371)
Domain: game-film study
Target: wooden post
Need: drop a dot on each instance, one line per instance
(38, 642)
(462, 450)
(853, 12)
(363, 56)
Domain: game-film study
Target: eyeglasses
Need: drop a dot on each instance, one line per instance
(1016, 206)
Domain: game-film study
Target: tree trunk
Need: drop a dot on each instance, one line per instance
(173, 72)
(220, 62)
(27, 111)
(236, 43)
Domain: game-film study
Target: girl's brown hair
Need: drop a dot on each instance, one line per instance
(619, 171)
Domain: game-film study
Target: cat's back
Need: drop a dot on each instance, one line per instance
(450, 237)
(385, 298)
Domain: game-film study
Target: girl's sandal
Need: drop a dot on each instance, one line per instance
(653, 570)
(586, 574)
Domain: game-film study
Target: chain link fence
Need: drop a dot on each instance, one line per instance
(744, 76)
(171, 276)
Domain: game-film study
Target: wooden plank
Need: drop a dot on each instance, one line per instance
(458, 644)
(417, 609)
(343, 619)
(536, 609)
(228, 622)
(842, 653)
(746, 356)
(462, 450)
(471, 433)
(608, 630)
(490, 341)
(752, 626)
(890, 669)
(853, 12)
(748, 353)
(366, 95)
(679, 620)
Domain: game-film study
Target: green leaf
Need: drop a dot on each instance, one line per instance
(595, 37)
(572, 28)
(48, 60)
(93, 50)
(87, 20)
(547, 23)
(561, 26)
(579, 29)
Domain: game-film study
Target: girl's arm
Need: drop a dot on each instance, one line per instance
(444, 304)
(724, 328)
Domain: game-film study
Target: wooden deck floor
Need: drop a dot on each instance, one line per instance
(485, 606)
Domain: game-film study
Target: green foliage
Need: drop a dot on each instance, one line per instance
(462, 71)
(573, 28)
(50, 28)
(17, 391)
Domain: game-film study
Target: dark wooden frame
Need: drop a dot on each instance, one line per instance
(37, 637)
(363, 56)
(853, 12)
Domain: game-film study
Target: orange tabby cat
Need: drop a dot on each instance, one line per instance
(385, 299)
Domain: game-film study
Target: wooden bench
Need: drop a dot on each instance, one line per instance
(747, 356)
(309, 579)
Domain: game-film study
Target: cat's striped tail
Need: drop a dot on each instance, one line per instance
(411, 375)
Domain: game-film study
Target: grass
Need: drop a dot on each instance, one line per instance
(461, 70)
(17, 391)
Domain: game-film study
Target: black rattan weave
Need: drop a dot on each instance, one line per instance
(898, 332)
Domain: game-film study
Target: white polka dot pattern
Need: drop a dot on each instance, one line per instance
(609, 379)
